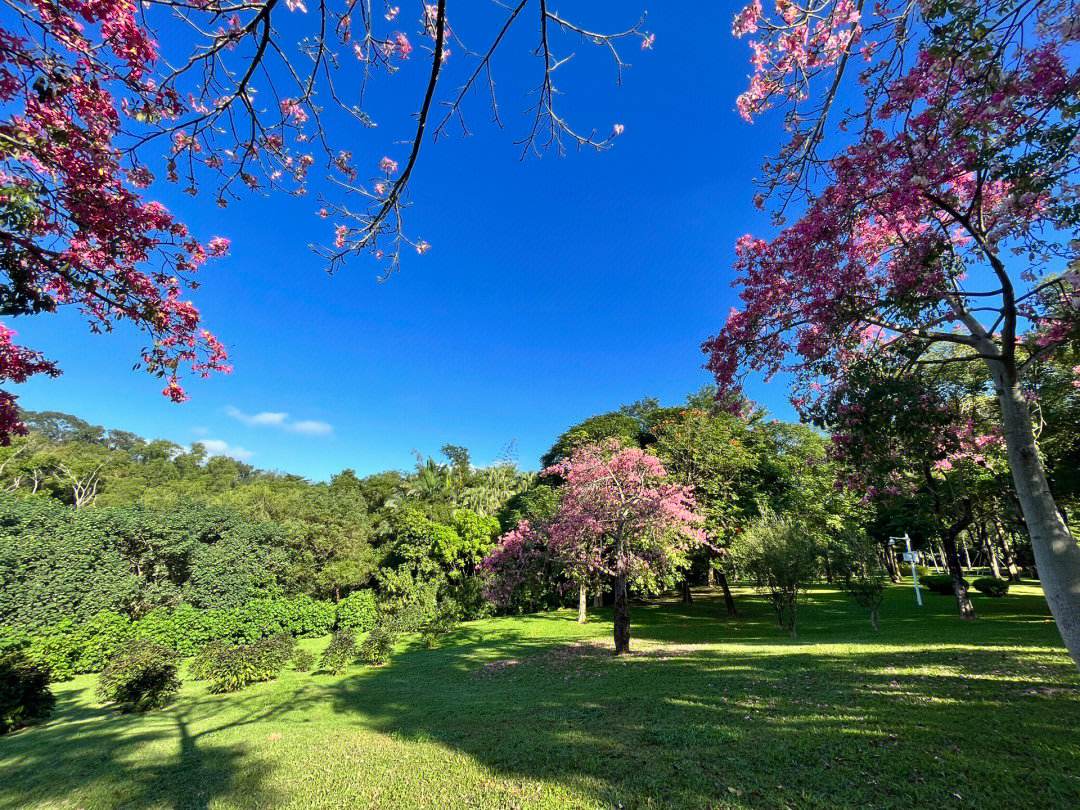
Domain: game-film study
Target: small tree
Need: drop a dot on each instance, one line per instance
(782, 557)
(619, 518)
(866, 576)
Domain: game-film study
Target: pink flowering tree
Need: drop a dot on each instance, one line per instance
(920, 440)
(949, 214)
(103, 98)
(620, 519)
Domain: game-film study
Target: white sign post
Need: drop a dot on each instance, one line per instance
(910, 557)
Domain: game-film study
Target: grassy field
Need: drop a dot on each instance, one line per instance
(534, 712)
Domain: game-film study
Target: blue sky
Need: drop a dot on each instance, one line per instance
(555, 289)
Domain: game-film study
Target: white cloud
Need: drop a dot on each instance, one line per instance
(220, 447)
(281, 420)
(310, 427)
(199, 430)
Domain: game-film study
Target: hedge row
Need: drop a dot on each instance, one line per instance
(69, 648)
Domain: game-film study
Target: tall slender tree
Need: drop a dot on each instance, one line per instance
(950, 216)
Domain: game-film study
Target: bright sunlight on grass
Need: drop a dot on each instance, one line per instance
(534, 711)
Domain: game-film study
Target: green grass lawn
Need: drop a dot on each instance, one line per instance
(534, 712)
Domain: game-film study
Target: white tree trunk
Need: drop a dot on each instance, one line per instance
(582, 603)
(1057, 553)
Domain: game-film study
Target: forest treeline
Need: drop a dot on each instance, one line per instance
(100, 522)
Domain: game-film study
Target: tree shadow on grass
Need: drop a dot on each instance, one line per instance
(896, 722)
(166, 758)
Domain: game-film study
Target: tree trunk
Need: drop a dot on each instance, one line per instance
(1057, 554)
(687, 597)
(710, 576)
(598, 598)
(952, 560)
(729, 600)
(892, 565)
(622, 617)
(1010, 557)
(991, 552)
(874, 619)
(963, 599)
(967, 554)
(582, 603)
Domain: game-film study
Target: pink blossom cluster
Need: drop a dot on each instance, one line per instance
(883, 252)
(795, 44)
(85, 238)
(619, 515)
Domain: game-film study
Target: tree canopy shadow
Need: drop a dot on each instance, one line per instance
(156, 760)
(680, 722)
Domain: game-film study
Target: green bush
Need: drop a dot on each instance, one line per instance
(25, 697)
(991, 586)
(924, 571)
(184, 629)
(940, 584)
(141, 675)
(379, 645)
(303, 660)
(201, 666)
(56, 650)
(232, 667)
(442, 624)
(357, 611)
(340, 652)
(100, 638)
(300, 615)
(276, 651)
(13, 640)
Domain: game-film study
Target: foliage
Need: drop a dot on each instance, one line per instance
(991, 586)
(340, 652)
(941, 584)
(865, 576)
(379, 644)
(201, 665)
(140, 676)
(948, 217)
(781, 557)
(303, 660)
(622, 428)
(563, 709)
(357, 611)
(230, 668)
(25, 697)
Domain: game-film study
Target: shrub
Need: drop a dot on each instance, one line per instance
(782, 557)
(303, 660)
(140, 676)
(991, 586)
(924, 571)
(941, 584)
(202, 665)
(340, 652)
(276, 651)
(442, 624)
(357, 611)
(866, 577)
(13, 640)
(184, 629)
(300, 616)
(100, 638)
(56, 650)
(25, 697)
(231, 668)
(379, 644)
